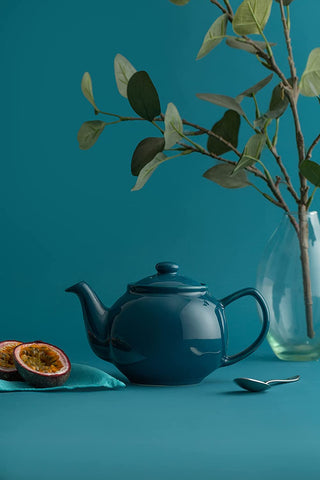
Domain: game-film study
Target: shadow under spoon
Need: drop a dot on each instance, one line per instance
(253, 385)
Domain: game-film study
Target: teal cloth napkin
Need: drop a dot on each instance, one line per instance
(81, 376)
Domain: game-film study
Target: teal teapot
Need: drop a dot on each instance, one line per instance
(166, 329)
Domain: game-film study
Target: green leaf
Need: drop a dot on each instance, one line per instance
(278, 105)
(285, 2)
(251, 16)
(86, 87)
(180, 2)
(227, 128)
(89, 133)
(255, 89)
(123, 71)
(143, 96)
(214, 36)
(145, 151)
(252, 152)
(222, 101)
(310, 80)
(241, 44)
(173, 125)
(223, 176)
(311, 171)
(148, 170)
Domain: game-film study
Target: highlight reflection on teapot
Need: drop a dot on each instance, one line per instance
(165, 330)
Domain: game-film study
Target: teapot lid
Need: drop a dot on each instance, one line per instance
(167, 280)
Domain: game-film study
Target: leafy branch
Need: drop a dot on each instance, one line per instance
(250, 18)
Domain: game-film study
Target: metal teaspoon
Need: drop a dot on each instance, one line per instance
(253, 385)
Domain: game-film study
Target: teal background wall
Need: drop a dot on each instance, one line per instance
(68, 215)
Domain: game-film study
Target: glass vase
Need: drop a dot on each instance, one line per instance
(280, 280)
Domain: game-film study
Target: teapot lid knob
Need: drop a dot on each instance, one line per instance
(167, 267)
(167, 280)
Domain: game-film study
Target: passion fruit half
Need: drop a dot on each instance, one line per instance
(41, 364)
(8, 369)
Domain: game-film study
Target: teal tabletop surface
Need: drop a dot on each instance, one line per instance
(211, 430)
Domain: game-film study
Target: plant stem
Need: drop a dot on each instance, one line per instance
(305, 263)
(288, 18)
(314, 143)
(203, 151)
(195, 133)
(311, 197)
(157, 126)
(113, 123)
(288, 43)
(277, 157)
(277, 194)
(251, 124)
(198, 147)
(269, 50)
(227, 4)
(109, 114)
(266, 196)
(303, 234)
(278, 181)
(210, 133)
(293, 97)
(185, 152)
(224, 10)
(283, 169)
(275, 137)
(266, 171)
(256, 106)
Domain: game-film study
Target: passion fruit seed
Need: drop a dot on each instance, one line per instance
(42, 364)
(8, 370)
(41, 359)
(6, 357)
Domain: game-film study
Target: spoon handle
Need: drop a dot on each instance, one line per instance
(286, 380)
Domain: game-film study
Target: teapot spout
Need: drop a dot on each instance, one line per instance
(95, 316)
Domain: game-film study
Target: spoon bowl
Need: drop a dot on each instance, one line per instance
(253, 385)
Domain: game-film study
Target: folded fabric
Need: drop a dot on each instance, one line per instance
(81, 377)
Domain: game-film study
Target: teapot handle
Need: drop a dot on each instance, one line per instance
(229, 360)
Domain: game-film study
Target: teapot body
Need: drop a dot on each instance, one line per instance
(166, 329)
(165, 338)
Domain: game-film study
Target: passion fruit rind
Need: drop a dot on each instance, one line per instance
(8, 369)
(41, 364)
